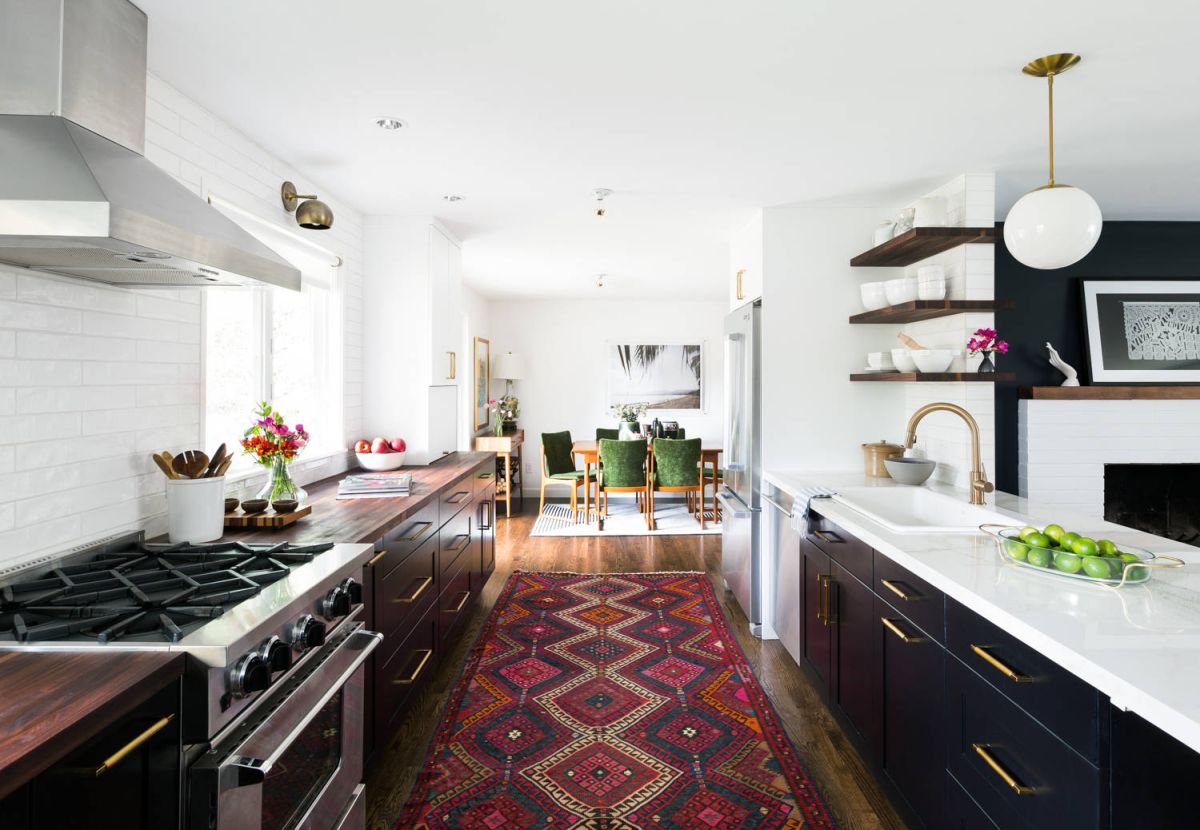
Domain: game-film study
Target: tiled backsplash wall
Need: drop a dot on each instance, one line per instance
(94, 378)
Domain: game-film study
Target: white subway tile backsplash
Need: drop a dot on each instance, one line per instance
(40, 345)
(66, 293)
(31, 317)
(19, 429)
(39, 372)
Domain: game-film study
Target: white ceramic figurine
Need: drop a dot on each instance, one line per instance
(1062, 366)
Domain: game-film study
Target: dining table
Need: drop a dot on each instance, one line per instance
(589, 452)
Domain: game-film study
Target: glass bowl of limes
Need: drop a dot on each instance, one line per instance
(1060, 552)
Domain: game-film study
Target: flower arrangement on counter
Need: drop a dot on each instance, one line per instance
(629, 413)
(503, 411)
(274, 444)
(987, 343)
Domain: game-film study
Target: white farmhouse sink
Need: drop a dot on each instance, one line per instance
(918, 510)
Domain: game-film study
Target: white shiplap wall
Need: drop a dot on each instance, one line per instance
(92, 379)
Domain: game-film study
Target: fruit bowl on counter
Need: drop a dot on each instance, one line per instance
(380, 455)
(1055, 551)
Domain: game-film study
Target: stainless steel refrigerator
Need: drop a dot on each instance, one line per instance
(739, 495)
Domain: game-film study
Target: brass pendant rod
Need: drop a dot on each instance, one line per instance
(1050, 86)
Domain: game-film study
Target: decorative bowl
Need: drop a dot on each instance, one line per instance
(880, 360)
(253, 506)
(1069, 565)
(901, 290)
(285, 505)
(380, 462)
(909, 470)
(231, 505)
(933, 360)
(903, 360)
(874, 295)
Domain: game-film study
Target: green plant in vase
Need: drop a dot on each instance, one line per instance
(275, 445)
(629, 417)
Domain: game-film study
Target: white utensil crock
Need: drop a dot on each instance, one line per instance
(195, 509)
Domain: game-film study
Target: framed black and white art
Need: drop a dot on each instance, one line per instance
(1142, 331)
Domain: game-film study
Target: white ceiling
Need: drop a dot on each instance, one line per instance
(692, 112)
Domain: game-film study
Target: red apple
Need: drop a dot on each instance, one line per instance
(380, 445)
(398, 445)
(362, 445)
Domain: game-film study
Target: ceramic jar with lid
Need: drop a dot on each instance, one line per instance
(875, 454)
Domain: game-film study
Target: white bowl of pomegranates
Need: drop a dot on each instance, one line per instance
(381, 454)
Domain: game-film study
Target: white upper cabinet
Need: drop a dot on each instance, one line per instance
(445, 279)
(746, 262)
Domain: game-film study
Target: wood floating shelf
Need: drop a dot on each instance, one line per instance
(1110, 393)
(917, 310)
(935, 377)
(919, 243)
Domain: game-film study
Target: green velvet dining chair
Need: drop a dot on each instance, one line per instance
(623, 469)
(558, 467)
(675, 468)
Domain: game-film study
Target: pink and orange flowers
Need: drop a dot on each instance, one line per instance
(270, 438)
(987, 342)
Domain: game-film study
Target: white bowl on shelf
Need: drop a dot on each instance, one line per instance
(903, 360)
(879, 360)
(874, 295)
(901, 290)
(380, 462)
(933, 360)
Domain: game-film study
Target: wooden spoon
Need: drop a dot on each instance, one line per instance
(908, 341)
(220, 471)
(163, 460)
(217, 458)
(190, 463)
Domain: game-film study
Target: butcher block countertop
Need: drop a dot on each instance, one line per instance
(52, 703)
(365, 520)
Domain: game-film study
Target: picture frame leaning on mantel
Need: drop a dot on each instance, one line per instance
(1142, 331)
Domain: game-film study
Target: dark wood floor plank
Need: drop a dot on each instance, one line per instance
(848, 787)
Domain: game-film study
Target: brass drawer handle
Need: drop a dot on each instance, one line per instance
(453, 365)
(371, 562)
(425, 581)
(118, 756)
(462, 600)
(466, 536)
(824, 538)
(829, 581)
(425, 653)
(1007, 777)
(1009, 672)
(486, 475)
(457, 497)
(891, 626)
(740, 272)
(900, 592)
(412, 537)
(821, 598)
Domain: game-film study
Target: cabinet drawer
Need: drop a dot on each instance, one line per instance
(402, 595)
(406, 537)
(962, 813)
(912, 596)
(454, 605)
(454, 498)
(484, 479)
(1062, 702)
(1015, 770)
(454, 540)
(404, 672)
(853, 554)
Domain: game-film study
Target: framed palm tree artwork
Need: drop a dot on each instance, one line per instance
(661, 375)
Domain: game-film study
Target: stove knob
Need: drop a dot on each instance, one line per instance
(307, 633)
(336, 602)
(276, 654)
(250, 674)
(353, 589)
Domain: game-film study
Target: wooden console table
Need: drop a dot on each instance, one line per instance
(507, 446)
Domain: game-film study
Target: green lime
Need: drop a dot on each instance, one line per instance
(1085, 547)
(1067, 562)
(1068, 539)
(1097, 567)
(1026, 531)
(1015, 549)
(1039, 557)
(1037, 540)
(1055, 532)
(1137, 574)
(1128, 557)
(1107, 547)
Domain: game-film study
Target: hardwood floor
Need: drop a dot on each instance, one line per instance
(850, 791)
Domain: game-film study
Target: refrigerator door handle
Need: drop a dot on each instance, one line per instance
(734, 508)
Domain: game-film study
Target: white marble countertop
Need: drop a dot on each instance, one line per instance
(1140, 645)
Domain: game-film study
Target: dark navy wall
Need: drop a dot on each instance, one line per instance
(1048, 307)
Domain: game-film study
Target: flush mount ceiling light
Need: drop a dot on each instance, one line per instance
(601, 193)
(387, 122)
(311, 213)
(453, 197)
(1057, 224)
(600, 280)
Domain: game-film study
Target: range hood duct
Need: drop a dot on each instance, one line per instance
(77, 197)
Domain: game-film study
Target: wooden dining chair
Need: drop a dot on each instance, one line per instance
(558, 467)
(623, 469)
(675, 468)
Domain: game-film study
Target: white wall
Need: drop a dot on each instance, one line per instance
(563, 345)
(476, 323)
(92, 379)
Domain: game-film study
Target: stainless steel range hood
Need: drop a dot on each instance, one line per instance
(77, 197)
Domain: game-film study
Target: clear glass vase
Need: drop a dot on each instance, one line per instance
(280, 486)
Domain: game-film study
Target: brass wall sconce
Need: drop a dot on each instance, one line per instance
(310, 213)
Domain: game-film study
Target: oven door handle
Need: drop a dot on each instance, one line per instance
(250, 762)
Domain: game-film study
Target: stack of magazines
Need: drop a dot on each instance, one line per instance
(375, 486)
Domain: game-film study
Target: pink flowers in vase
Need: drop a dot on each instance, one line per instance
(270, 439)
(987, 343)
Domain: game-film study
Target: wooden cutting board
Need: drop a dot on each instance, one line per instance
(276, 520)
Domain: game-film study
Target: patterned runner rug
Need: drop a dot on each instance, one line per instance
(610, 701)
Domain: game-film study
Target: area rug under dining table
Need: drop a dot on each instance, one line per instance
(610, 701)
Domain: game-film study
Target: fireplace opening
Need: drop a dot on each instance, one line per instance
(1163, 499)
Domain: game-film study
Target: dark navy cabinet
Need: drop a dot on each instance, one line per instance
(817, 639)
(854, 686)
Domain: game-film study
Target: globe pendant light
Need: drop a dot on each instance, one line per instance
(1057, 224)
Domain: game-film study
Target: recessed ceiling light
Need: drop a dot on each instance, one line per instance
(389, 123)
(453, 197)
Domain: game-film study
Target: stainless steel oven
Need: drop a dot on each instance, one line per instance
(296, 760)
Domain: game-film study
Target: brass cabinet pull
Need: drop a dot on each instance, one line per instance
(485, 509)
(486, 475)
(821, 598)
(891, 626)
(829, 581)
(466, 536)
(457, 496)
(371, 562)
(462, 600)
(425, 653)
(1009, 672)
(900, 592)
(453, 366)
(425, 581)
(824, 538)
(118, 756)
(1007, 777)
(412, 537)
(739, 292)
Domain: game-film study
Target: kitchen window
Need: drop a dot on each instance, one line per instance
(271, 344)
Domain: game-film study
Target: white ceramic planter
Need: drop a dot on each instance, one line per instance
(195, 509)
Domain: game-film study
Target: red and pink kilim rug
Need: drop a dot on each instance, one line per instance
(610, 701)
